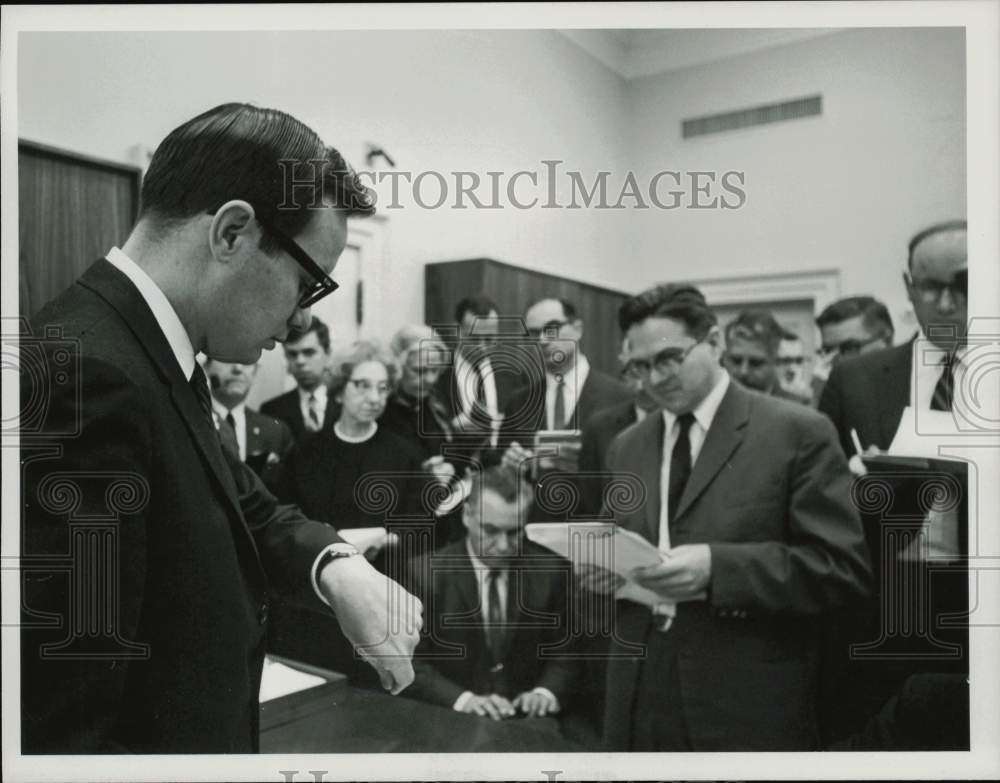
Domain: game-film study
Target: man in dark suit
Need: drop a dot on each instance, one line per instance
(602, 427)
(868, 394)
(497, 634)
(307, 408)
(565, 390)
(849, 327)
(748, 500)
(262, 442)
(148, 636)
(562, 393)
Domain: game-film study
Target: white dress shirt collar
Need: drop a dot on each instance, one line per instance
(705, 411)
(163, 311)
(239, 414)
(572, 385)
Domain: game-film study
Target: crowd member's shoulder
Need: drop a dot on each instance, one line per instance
(866, 363)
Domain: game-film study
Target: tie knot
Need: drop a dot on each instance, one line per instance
(685, 420)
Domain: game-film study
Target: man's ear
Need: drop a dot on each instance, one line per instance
(233, 226)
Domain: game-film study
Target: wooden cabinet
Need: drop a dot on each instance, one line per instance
(513, 288)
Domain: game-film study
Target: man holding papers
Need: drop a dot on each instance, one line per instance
(748, 499)
(879, 397)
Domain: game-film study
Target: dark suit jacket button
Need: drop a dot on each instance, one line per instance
(262, 613)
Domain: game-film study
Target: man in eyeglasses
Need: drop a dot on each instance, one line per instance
(158, 555)
(850, 327)
(562, 393)
(748, 500)
(867, 394)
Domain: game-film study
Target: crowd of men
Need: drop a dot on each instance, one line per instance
(743, 450)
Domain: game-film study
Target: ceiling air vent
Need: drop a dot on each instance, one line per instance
(758, 115)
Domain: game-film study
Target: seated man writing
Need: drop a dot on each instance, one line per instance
(497, 641)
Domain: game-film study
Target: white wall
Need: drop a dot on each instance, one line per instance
(438, 101)
(844, 190)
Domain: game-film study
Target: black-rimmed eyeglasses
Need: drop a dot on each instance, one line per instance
(322, 284)
(667, 360)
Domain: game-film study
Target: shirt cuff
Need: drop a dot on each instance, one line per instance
(315, 574)
(547, 692)
(462, 700)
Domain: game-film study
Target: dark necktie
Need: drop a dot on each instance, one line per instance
(312, 423)
(680, 465)
(944, 390)
(494, 614)
(559, 412)
(480, 385)
(227, 434)
(199, 384)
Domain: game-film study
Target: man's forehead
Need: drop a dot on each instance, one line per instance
(308, 341)
(941, 254)
(494, 510)
(544, 311)
(844, 330)
(744, 346)
(656, 334)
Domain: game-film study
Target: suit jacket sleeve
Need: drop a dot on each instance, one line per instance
(429, 683)
(288, 542)
(823, 561)
(831, 403)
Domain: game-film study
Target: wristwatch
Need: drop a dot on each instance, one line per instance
(334, 551)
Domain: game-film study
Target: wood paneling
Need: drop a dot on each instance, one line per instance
(513, 288)
(72, 210)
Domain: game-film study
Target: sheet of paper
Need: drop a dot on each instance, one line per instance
(920, 434)
(605, 545)
(278, 679)
(595, 544)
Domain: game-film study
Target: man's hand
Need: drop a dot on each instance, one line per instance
(489, 705)
(683, 575)
(516, 457)
(440, 469)
(536, 705)
(379, 617)
(598, 580)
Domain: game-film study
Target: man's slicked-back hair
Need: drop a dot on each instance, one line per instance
(756, 326)
(506, 481)
(937, 228)
(477, 305)
(321, 330)
(874, 315)
(677, 301)
(263, 156)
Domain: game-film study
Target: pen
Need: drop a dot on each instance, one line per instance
(857, 442)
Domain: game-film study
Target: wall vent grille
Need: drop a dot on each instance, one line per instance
(757, 115)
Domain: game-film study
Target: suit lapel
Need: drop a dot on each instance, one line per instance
(894, 393)
(117, 290)
(724, 435)
(648, 462)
